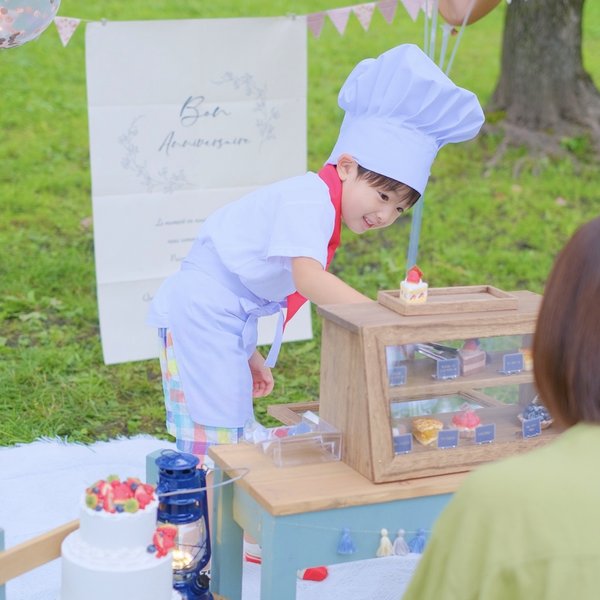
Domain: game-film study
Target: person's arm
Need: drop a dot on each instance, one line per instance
(321, 287)
(454, 11)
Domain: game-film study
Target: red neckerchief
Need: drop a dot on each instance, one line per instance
(329, 175)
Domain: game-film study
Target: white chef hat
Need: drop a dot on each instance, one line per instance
(400, 110)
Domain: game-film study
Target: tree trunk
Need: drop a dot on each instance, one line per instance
(543, 87)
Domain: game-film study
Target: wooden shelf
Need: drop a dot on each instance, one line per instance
(420, 381)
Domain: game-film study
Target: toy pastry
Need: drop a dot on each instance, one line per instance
(466, 421)
(413, 290)
(425, 429)
(527, 359)
(536, 411)
(472, 357)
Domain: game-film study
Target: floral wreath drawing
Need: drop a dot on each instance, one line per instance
(165, 181)
(266, 116)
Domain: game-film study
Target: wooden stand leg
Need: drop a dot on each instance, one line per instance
(227, 542)
(278, 574)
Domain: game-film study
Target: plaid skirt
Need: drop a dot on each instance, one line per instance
(190, 437)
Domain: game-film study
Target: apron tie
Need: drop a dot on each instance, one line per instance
(254, 312)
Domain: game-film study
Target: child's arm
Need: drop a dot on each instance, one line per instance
(321, 287)
(262, 379)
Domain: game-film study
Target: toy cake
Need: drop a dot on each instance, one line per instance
(413, 290)
(466, 422)
(118, 552)
(536, 411)
(527, 359)
(472, 357)
(425, 429)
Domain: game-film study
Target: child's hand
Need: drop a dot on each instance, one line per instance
(262, 380)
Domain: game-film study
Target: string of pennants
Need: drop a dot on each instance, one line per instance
(339, 17)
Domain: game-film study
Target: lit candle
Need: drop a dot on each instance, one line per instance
(181, 559)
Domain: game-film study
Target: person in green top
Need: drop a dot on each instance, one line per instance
(528, 527)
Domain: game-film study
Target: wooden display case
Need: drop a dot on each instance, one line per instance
(365, 346)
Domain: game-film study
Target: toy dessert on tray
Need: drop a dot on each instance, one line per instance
(415, 297)
(413, 290)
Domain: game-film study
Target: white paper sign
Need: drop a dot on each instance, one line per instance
(184, 116)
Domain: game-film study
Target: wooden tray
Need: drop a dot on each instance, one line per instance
(470, 298)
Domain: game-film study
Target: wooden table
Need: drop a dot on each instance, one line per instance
(297, 515)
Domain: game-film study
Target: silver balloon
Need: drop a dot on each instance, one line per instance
(24, 20)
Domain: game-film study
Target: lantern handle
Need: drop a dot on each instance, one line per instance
(245, 471)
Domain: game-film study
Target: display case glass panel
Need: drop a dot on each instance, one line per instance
(476, 383)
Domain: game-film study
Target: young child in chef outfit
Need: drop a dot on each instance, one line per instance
(270, 249)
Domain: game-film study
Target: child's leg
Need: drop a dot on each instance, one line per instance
(192, 437)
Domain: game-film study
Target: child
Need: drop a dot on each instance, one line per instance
(271, 248)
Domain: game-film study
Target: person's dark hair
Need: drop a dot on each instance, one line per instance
(387, 184)
(566, 347)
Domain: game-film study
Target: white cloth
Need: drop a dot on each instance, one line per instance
(400, 109)
(238, 269)
(41, 485)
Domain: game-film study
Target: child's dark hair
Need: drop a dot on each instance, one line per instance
(387, 184)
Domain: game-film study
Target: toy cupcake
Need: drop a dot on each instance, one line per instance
(466, 421)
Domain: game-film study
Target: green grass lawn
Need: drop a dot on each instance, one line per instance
(498, 228)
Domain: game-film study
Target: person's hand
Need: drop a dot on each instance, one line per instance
(262, 379)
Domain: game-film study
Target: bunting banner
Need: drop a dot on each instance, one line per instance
(339, 17)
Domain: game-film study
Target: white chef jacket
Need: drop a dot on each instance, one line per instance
(238, 269)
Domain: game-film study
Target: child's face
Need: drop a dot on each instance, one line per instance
(365, 207)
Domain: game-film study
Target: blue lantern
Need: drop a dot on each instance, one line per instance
(188, 512)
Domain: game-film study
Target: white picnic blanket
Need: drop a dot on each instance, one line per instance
(40, 488)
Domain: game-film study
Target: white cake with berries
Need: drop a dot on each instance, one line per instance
(117, 552)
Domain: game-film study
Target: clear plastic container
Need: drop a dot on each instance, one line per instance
(312, 440)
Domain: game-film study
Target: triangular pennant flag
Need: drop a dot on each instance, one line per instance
(388, 9)
(412, 7)
(339, 18)
(315, 23)
(66, 27)
(364, 13)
